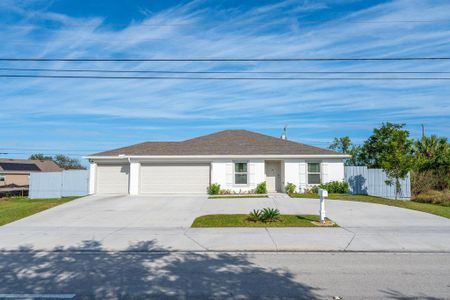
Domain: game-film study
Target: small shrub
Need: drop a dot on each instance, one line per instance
(422, 182)
(335, 187)
(214, 189)
(311, 190)
(270, 214)
(255, 215)
(261, 188)
(290, 188)
(226, 192)
(434, 197)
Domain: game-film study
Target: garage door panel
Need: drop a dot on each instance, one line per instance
(112, 179)
(174, 178)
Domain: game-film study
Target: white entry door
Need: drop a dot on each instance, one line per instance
(112, 178)
(174, 178)
(273, 176)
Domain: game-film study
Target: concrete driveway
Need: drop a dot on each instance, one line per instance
(162, 223)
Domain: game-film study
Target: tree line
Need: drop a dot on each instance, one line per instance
(391, 148)
(63, 161)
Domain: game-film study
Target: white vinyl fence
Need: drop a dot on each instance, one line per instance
(59, 184)
(373, 182)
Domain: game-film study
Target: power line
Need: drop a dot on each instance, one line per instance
(216, 78)
(218, 72)
(222, 59)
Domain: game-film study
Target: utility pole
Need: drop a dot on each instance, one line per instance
(423, 130)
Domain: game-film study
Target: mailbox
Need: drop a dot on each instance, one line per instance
(323, 193)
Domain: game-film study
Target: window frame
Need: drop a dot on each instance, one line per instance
(240, 173)
(314, 173)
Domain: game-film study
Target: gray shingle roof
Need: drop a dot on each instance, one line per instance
(27, 166)
(227, 142)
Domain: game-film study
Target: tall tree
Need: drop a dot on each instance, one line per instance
(390, 148)
(345, 145)
(342, 144)
(63, 161)
(40, 156)
(67, 163)
(375, 147)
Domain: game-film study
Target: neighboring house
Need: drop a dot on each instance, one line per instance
(236, 159)
(15, 172)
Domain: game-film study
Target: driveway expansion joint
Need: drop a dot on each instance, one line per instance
(271, 238)
(185, 233)
(351, 240)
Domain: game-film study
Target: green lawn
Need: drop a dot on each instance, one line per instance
(424, 207)
(240, 220)
(15, 208)
(237, 196)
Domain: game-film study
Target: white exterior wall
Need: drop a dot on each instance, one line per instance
(334, 170)
(134, 177)
(296, 172)
(222, 172)
(92, 177)
(292, 173)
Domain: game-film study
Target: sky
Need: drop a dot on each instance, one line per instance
(83, 116)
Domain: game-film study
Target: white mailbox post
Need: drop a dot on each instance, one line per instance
(322, 193)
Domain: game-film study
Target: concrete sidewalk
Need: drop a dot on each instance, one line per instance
(162, 224)
(224, 239)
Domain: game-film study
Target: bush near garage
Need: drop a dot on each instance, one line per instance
(214, 189)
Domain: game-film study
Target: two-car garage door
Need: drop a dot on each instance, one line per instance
(154, 178)
(174, 178)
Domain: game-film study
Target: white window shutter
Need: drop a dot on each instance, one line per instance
(229, 169)
(251, 174)
(302, 175)
(324, 170)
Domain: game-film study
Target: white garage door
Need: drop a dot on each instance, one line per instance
(174, 178)
(112, 179)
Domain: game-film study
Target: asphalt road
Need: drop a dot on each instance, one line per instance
(200, 275)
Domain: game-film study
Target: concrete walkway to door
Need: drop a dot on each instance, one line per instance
(162, 223)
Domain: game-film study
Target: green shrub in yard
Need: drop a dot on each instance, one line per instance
(290, 188)
(255, 215)
(270, 214)
(434, 197)
(261, 188)
(265, 215)
(335, 187)
(214, 189)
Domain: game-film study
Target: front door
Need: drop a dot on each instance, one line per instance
(273, 176)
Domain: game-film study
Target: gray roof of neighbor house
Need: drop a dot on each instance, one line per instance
(227, 142)
(26, 166)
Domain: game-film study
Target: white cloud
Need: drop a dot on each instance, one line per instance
(210, 32)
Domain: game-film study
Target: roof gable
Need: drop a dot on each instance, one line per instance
(227, 142)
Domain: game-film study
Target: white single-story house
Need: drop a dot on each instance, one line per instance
(238, 160)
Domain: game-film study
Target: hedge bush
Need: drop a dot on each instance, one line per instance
(214, 189)
(290, 188)
(261, 188)
(434, 197)
(335, 187)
